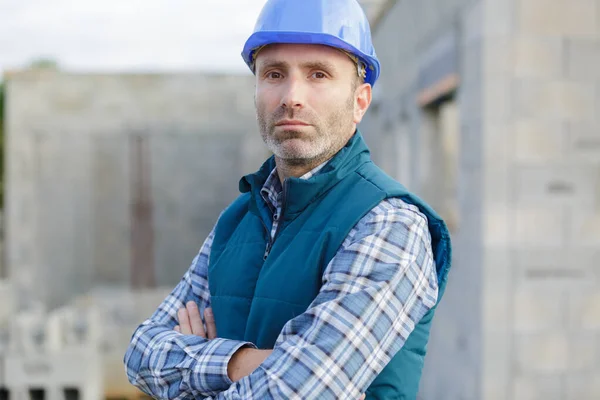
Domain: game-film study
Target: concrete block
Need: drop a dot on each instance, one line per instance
(539, 226)
(498, 144)
(597, 102)
(556, 100)
(499, 18)
(29, 332)
(471, 145)
(582, 59)
(556, 270)
(472, 22)
(428, 16)
(542, 354)
(539, 142)
(471, 74)
(496, 323)
(496, 372)
(583, 386)
(498, 98)
(497, 225)
(537, 311)
(561, 18)
(76, 325)
(584, 142)
(558, 184)
(499, 56)
(584, 310)
(585, 227)
(532, 387)
(584, 352)
(537, 57)
(497, 282)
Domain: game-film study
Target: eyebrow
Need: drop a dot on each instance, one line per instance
(271, 63)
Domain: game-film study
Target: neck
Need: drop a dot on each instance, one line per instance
(294, 169)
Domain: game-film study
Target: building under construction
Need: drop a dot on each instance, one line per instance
(113, 182)
(488, 109)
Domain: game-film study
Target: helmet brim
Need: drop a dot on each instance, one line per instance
(264, 38)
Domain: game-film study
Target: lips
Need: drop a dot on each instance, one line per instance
(291, 123)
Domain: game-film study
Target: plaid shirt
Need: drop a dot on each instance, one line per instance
(375, 290)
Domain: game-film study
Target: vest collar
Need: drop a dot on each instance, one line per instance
(300, 192)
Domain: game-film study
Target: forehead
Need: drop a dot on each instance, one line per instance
(293, 54)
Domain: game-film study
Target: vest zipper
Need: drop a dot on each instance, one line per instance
(269, 243)
(279, 223)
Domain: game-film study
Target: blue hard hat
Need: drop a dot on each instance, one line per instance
(338, 23)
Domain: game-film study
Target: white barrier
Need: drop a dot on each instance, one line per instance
(75, 352)
(67, 375)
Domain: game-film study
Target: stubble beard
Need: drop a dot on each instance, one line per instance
(313, 145)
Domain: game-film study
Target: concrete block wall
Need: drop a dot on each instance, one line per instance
(518, 320)
(406, 40)
(5, 313)
(550, 195)
(72, 173)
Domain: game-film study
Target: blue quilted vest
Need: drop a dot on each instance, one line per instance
(254, 296)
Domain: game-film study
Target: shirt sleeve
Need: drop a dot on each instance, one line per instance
(165, 364)
(375, 290)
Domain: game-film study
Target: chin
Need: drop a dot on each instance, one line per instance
(295, 149)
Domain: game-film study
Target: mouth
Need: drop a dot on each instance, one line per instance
(291, 123)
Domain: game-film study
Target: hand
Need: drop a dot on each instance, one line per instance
(245, 361)
(190, 322)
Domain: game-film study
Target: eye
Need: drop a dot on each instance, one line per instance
(274, 75)
(319, 75)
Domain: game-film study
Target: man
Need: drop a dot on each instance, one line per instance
(320, 281)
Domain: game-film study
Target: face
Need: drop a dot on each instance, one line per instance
(308, 101)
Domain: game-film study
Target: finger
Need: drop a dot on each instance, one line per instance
(176, 329)
(211, 326)
(184, 321)
(363, 397)
(195, 319)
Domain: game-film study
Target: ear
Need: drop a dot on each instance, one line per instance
(362, 101)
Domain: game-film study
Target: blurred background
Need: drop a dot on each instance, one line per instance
(125, 127)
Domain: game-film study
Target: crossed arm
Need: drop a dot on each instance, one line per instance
(242, 363)
(377, 287)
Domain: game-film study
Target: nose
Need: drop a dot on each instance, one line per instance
(293, 93)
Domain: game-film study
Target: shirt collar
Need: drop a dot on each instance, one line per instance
(272, 188)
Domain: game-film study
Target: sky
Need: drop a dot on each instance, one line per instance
(127, 36)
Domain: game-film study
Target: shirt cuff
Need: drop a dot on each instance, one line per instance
(232, 346)
(209, 369)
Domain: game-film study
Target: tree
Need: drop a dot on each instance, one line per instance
(44, 63)
(1, 145)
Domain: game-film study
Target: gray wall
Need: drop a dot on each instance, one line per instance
(419, 42)
(75, 166)
(519, 318)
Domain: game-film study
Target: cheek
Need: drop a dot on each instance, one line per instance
(265, 100)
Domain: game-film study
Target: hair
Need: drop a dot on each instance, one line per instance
(356, 82)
